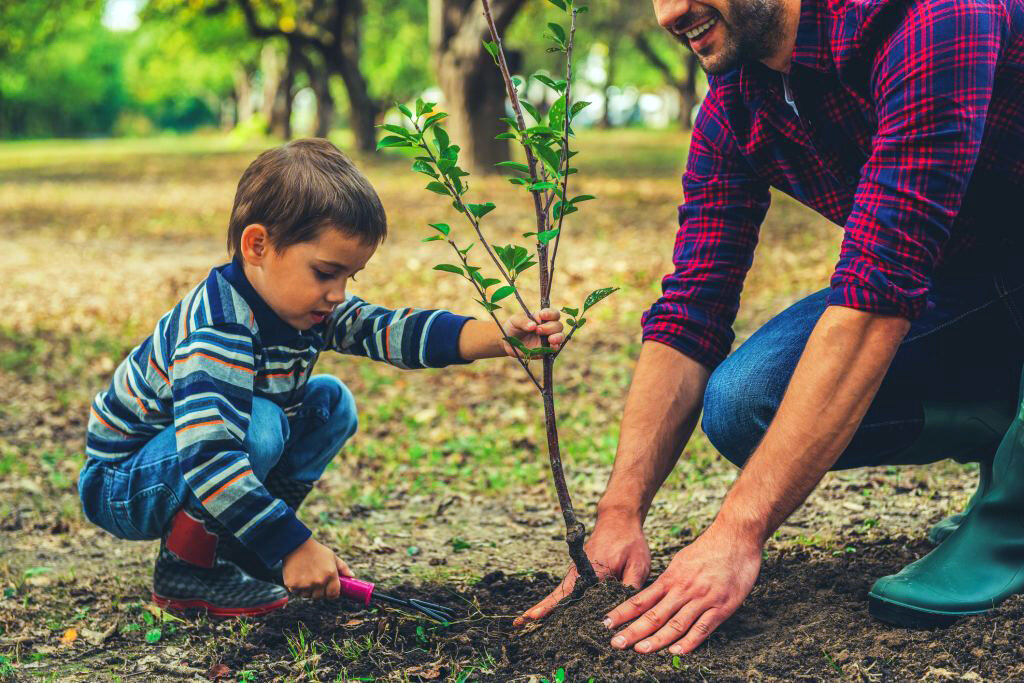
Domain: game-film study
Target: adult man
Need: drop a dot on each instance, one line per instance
(902, 121)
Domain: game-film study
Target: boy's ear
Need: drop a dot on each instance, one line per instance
(255, 244)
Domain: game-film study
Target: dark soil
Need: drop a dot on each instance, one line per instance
(807, 619)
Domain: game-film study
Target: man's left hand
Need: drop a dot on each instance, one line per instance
(703, 585)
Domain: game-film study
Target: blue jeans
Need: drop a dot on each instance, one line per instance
(136, 498)
(967, 350)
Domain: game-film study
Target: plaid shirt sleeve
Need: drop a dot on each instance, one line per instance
(931, 83)
(724, 204)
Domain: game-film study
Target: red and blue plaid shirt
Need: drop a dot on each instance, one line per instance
(910, 135)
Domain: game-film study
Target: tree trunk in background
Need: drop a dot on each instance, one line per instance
(320, 83)
(685, 86)
(609, 80)
(279, 124)
(688, 91)
(242, 95)
(474, 93)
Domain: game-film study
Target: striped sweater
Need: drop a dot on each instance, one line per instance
(216, 349)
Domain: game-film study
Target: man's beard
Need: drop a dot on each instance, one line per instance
(751, 34)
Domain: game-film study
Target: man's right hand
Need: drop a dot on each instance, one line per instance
(617, 549)
(312, 570)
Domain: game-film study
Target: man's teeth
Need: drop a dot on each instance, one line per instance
(701, 29)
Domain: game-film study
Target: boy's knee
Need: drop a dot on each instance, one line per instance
(342, 414)
(268, 433)
(738, 407)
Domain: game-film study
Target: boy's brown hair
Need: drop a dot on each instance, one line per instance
(298, 189)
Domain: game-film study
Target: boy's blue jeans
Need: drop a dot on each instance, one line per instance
(136, 498)
(966, 350)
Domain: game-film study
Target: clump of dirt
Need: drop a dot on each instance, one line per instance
(806, 619)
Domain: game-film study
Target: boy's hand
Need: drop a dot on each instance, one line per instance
(528, 332)
(312, 570)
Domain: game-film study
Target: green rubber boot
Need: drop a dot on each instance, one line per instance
(964, 433)
(942, 530)
(978, 566)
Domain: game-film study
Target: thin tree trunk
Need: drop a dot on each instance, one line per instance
(686, 87)
(609, 80)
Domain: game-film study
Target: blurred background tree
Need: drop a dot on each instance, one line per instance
(71, 68)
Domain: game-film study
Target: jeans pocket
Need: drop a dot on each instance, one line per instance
(145, 515)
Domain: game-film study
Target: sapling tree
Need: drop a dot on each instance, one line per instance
(495, 271)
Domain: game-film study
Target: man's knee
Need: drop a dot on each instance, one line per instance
(738, 407)
(268, 433)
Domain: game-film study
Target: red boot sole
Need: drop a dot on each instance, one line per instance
(174, 605)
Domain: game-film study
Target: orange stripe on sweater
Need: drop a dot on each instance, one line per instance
(110, 426)
(214, 359)
(137, 400)
(221, 489)
(199, 424)
(158, 370)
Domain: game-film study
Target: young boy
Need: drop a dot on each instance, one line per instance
(213, 431)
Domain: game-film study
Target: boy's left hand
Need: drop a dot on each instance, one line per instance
(529, 332)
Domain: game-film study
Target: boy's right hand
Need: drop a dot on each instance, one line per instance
(312, 570)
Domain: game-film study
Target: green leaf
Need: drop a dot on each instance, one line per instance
(442, 228)
(424, 168)
(577, 108)
(441, 137)
(503, 292)
(419, 107)
(550, 158)
(543, 130)
(524, 267)
(488, 305)
(154, 635)
(438, 188)
(547, 236)
(433, 120)
(516, 81)
(558, 85)
(537, 187)
(492, 49)
(449, 268)
(556, 115)
(505, 136)
(489, 282)
(514, 164)
(405, 110)
(570, 311)
(558, 32)
(560, 4)
(466, 250)
(397, 130)
(582, 198)
(597, 295)
(519, 181)
(432, 238)
(518, 345)
(480, 210)
(531, 110)
(392, 141)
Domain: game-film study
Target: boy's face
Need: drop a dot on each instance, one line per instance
(303, 282)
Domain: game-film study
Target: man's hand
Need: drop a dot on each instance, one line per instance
(529, 332)
(312, 570)
(704, 584)
(617, 548)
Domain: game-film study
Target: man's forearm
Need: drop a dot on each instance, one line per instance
(842, 366)
(661, 412)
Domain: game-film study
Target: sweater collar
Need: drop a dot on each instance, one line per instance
(272, 328)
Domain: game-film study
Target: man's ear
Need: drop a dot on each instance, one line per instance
(255, 244)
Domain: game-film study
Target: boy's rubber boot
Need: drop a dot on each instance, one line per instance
(192, 574)
(978, 566)
(293, 493)
(965, 433)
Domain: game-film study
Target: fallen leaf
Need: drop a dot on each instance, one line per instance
(218, 671)
(70, 636)
(352, 623)
(426, 672)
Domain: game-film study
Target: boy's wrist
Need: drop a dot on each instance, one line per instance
(480, 339)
